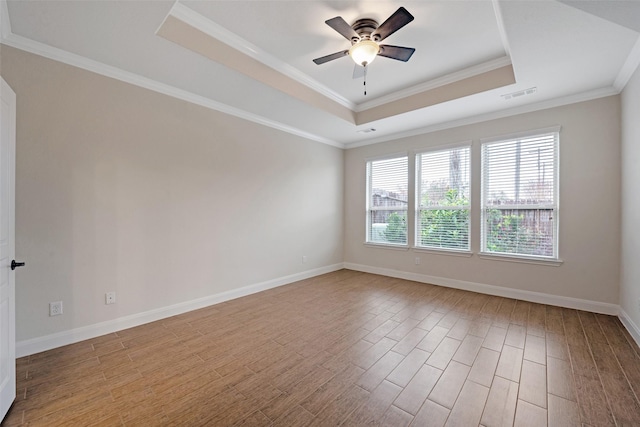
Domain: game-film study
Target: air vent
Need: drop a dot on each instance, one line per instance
(368, 130)
(520, 93)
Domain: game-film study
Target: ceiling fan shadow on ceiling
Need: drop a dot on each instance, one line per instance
(365, 36)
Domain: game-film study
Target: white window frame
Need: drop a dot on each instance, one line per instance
(526, 258)
(417, 200)
(370, 208)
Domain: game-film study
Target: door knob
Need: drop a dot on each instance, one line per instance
(15, 264)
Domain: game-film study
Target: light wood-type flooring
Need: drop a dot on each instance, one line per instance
(345, 348)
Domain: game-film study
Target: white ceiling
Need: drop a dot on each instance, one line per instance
(448, 37)
(567, 50)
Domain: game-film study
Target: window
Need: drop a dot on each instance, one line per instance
(442, 191)
(520, 196)
(387, 201)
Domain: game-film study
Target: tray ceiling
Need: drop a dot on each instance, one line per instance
(474, 59)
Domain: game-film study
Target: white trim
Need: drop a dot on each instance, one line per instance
(537, 297)
(547, 134)
(522, 206)
(444, 147)
(387, 246)
(84, 63)
(485, 117)
(218, 32)
(435, 83)
(59, 55)
(36, 345)
(387, 208)
(214, 30)
(521, 135)
(633, 329)
(448, 252)
(417, 200)
(387, 156)
(501, 28)
(48, 342)
(629, 67)
(522, 259)
(5, 20)
(19, 42)
(369, 208)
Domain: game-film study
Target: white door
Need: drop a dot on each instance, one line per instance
(7, 247)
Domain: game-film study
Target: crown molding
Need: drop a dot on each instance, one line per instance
(507, 112)
(78, 61)
(218, 32)
(84, 63)
(630, 66)
(184, 13)
(212, 29)
(501, 28)
(435, 83)
(5, 22)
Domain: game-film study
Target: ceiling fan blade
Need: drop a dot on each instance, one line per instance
(331, 57)
(358, 71)
(341, 26)
(399, 19)
(396, 52)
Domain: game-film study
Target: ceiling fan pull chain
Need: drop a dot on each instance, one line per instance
(365, 80)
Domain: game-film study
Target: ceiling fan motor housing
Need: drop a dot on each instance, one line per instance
(364, 27)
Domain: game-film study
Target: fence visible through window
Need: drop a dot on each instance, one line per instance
(387, 201)
(520, 196)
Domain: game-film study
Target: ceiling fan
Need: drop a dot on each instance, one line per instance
(365, 36)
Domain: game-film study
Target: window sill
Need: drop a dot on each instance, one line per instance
(555, 262)
(387, 246)
(448, 252)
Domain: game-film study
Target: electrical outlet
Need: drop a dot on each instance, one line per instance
(417, 260)
(55, 308)
(304, 259)
(110, 298)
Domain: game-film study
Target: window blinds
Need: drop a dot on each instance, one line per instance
(387, 200)
(519, 196)
(443, 199)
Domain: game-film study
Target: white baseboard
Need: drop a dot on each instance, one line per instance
(537, 297)
(633, 329)
(48, 342)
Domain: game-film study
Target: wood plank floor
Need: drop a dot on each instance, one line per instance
(345, 348)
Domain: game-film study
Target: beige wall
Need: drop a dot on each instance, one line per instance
(123, 189)
(589, 206)
(630, 264)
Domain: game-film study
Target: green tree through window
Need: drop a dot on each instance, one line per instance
(442, 179)
(396, 231)
(446, 228)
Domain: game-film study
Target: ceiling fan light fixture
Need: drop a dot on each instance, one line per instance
(364, 52)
